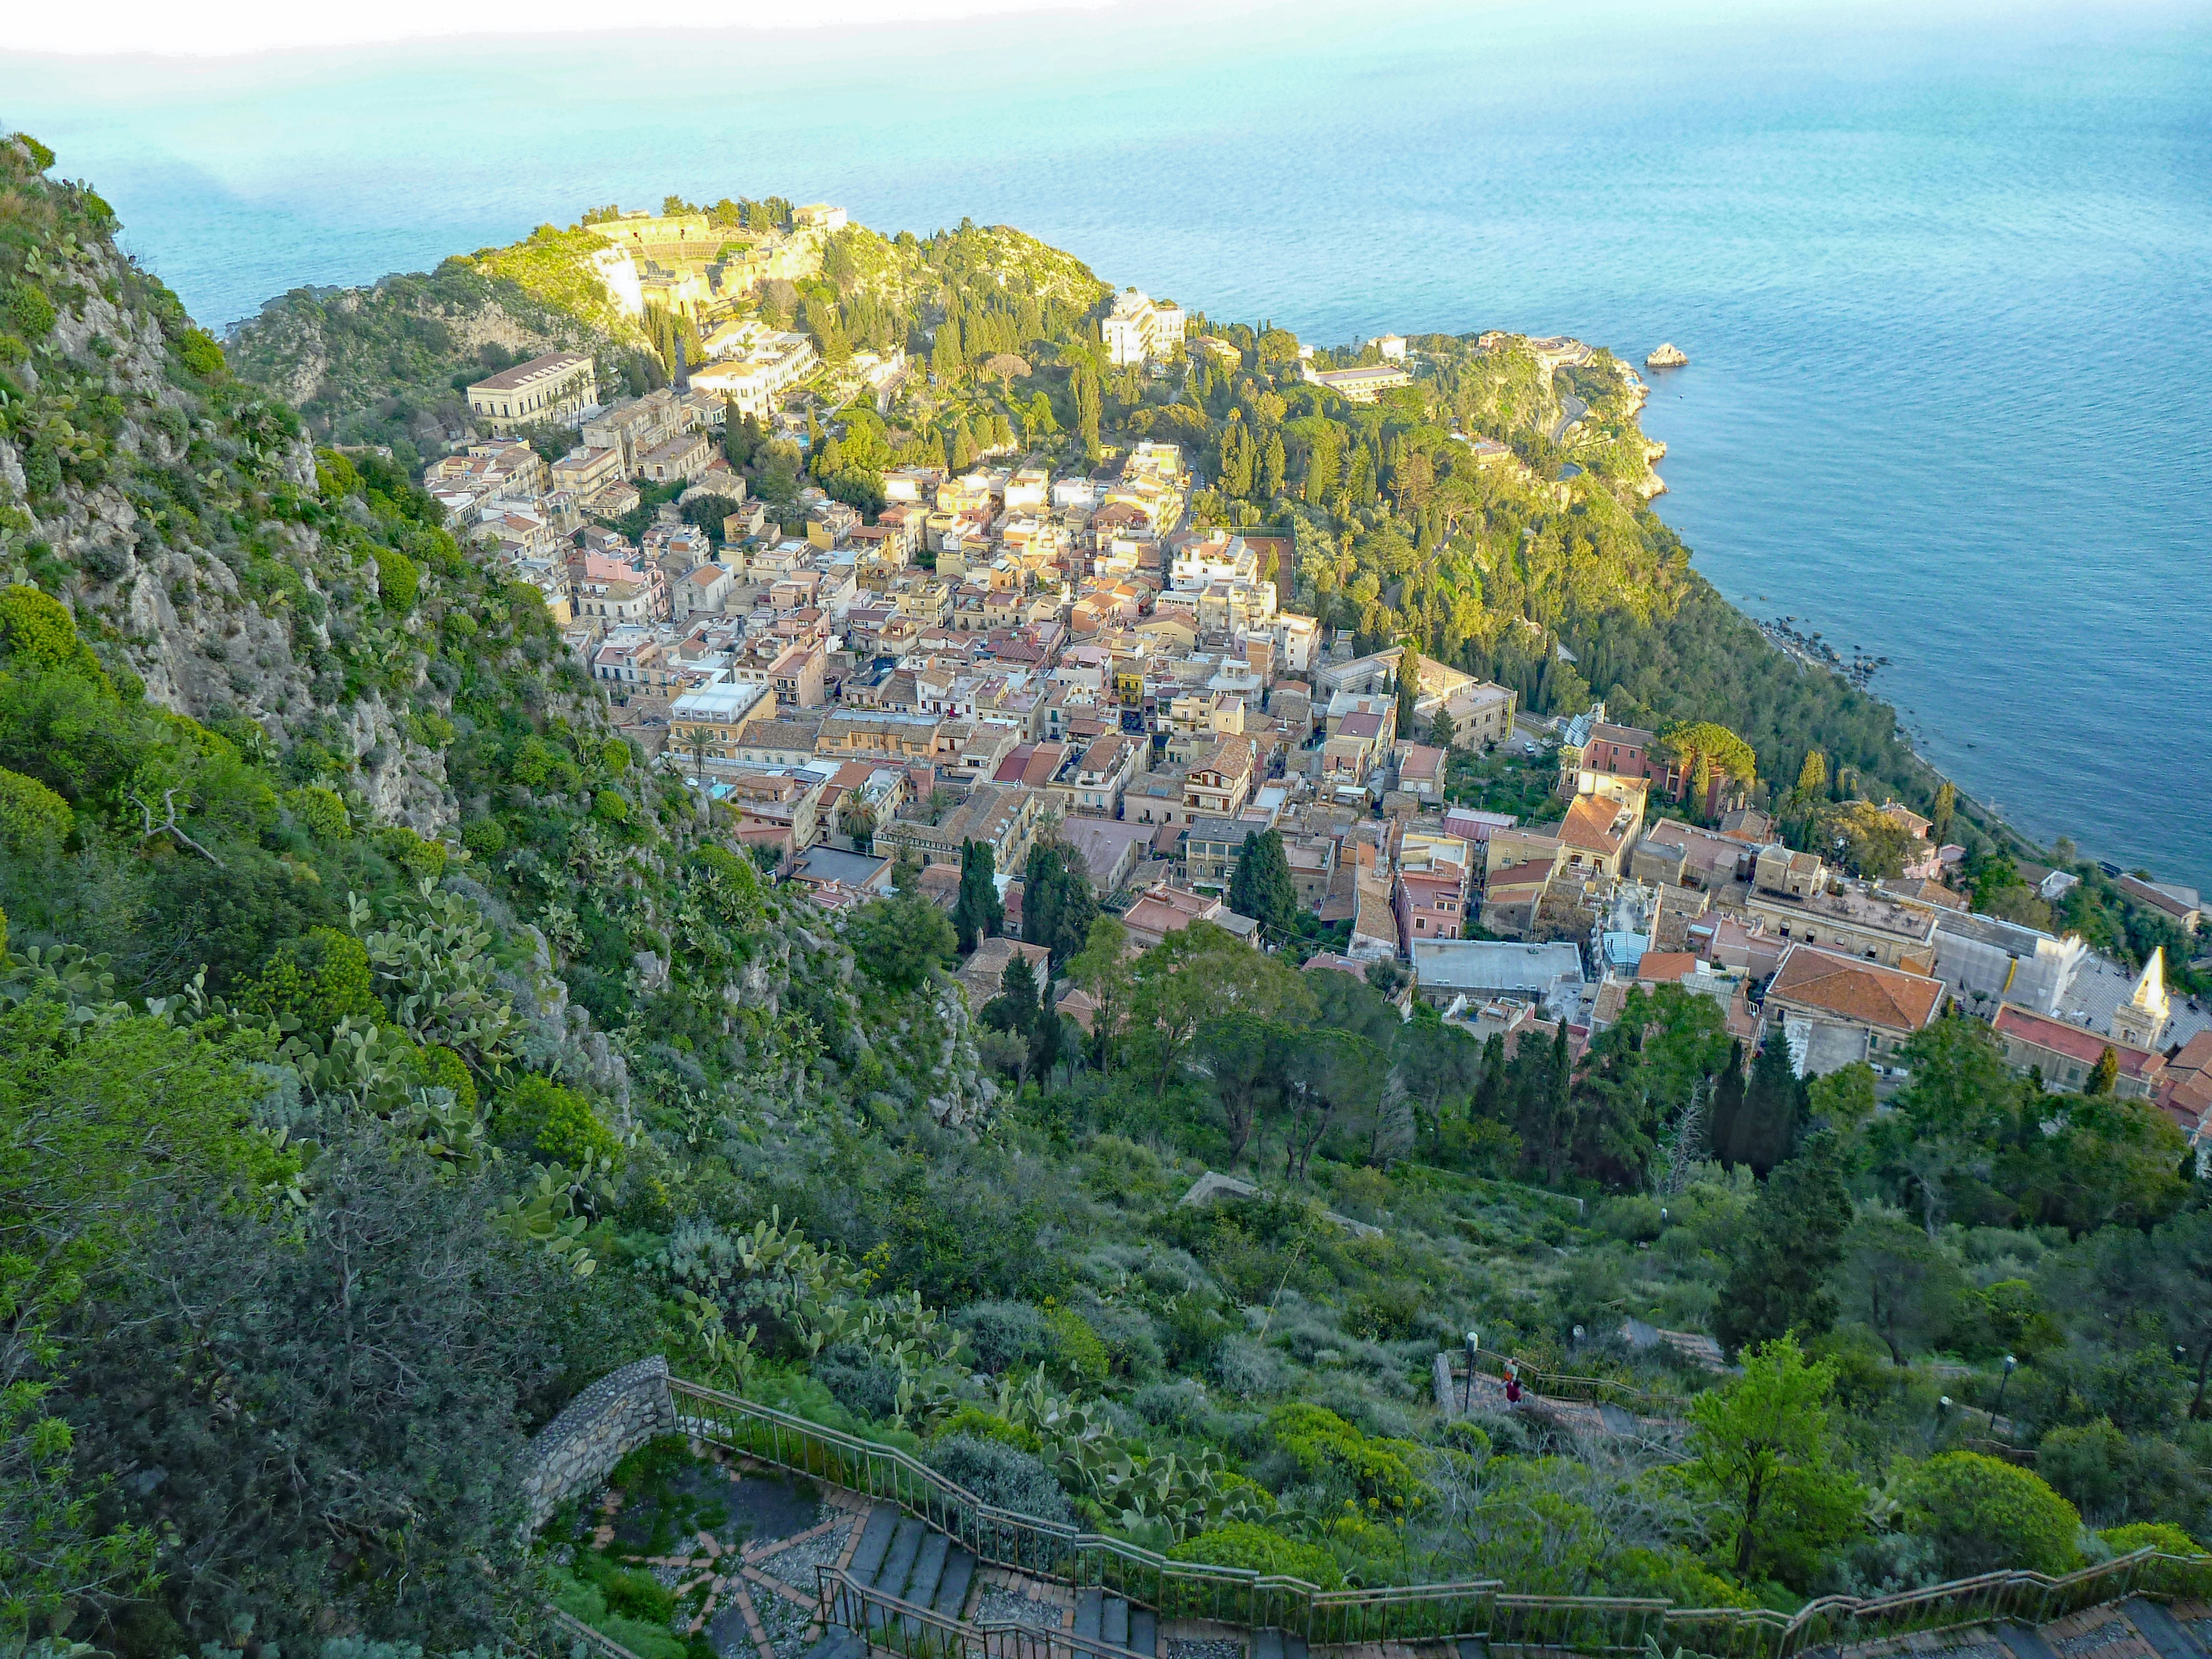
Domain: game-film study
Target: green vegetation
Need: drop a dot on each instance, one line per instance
(337, 1152)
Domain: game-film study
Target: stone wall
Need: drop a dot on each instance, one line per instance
(577, 1450)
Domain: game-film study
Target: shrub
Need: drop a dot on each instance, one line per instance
(1002, 1334)
(2162, 1535)
(860, 1382)
(1075, 1347)
(1249, 1544)
(978, 1424)
(418, 857)
(317, 980)
(32, 816)
(534, 761)
(398, 579)
(1982, 1513)
(30, 311)
(440, 1067)
(556, 1123)
(201, 355)
(1632, 1220)
(485, 837)
(1325, 1444)
(321, 811)
(1001, 1476)
(610, 808)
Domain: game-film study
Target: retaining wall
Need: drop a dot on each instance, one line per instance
(577, 1450)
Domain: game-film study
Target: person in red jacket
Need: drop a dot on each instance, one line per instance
(1512, 1381)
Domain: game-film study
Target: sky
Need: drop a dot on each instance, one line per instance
(232, 27)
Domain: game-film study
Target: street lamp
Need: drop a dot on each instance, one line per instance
(1936, 1429)
(2002, 1383)
(1474, 1344)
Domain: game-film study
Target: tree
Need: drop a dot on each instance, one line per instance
(1492, 1091)
(1239, 1054)
(978, 913)
(1058, 905)
(1789, 1243)
(332, 1399)
(1443, 733)
(1409, 686)
(1727, 1105)
(1947, 806)
(2105, 1074)
(1202, 973)
(104, 1121)
(1006, 367)
(1844, 1098)
(1811, 779)
(1764, 1130)
(899, 940)
(1899, 1285)
(1262, 887)
(1329, 1077)
(1760, 1445)
(1103, 969)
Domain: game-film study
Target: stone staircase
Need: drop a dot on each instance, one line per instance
(2136, 1628)
(899, 1556)
(1100, 1616)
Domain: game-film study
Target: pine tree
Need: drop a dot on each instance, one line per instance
(1058, 905)
(1443, 730)
(1018, 990)
(1795, 1237)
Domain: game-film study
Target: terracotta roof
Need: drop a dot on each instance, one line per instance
(1589, 824)
(1856, 990)
(2061, 1036)
(1665, 967)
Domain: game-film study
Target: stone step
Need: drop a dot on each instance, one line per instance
(875, 1540)
(2024, 1641)
(1090, 1612)
(952, 1589)
(928, 1569)
(898, 1563)
(1114, 1622)
(2165, 1634)
(1476, 1647)
(1267, 1645)
(1145, 1630)
(838, 1644)
(1294, 1647)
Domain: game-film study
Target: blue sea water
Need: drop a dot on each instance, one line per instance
(1944, 270)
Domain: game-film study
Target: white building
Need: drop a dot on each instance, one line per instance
(1140, 329)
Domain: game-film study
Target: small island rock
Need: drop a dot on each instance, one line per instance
(1668, 355)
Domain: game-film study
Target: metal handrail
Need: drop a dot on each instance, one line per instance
(1476, 1607)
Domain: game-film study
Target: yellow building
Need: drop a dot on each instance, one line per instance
(544, 390)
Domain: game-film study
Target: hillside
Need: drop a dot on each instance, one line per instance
(387, 1051)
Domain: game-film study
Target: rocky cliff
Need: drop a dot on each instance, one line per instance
(175, 510)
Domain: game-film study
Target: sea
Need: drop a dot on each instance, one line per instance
(1942, 270)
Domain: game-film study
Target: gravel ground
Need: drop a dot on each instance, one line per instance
(1211, 1648)
(995, 1604)
(795, 1563)
(727, 1635)
(785, 1621)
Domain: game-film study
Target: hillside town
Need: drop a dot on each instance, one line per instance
(1017, 651)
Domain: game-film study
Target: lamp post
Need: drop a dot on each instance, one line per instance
(2003, 1382)
(1474, 1344)
(1935, 1428)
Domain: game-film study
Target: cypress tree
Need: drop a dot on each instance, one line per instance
(1490, 1092)
(1727, 1104)
(1262, 888)
(1766, 1129)
(978, 913)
